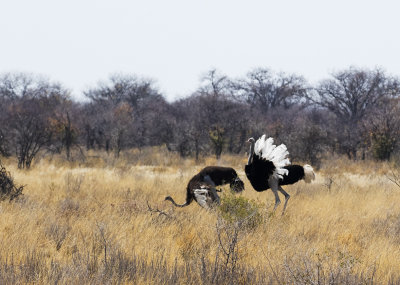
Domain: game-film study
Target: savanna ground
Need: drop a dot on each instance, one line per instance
(104, 220)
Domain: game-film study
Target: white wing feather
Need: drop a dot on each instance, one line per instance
(266, 149)
(206, 196)
(201, 197)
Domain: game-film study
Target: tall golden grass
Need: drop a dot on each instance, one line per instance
(76, 220)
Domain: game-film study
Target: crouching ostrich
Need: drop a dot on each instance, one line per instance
(201, 187)
(269, 167)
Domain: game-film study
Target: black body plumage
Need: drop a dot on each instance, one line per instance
(219, 175)
(260, 170)
(211, 176)
(296, 173)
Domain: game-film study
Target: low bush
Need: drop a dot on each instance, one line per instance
(8, 190)
(238, 209)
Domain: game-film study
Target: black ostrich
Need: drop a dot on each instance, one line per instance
(269, 167)
(202, 189)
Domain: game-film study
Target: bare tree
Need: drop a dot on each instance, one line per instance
(383, 128)
(123, 88)
(264, 90)
(351, 95)
(4, 130)
(92, 126)
(146, 123)
(306, 134)
(65, 127)
(189, 132)
(3, 144)
(29, 129)
(18, 85)
(222, 118)
(31, 102)
(122, 116)
(211, 119)
(213, 83)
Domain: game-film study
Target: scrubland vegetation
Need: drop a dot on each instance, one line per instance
(82, 191)
(103, 221)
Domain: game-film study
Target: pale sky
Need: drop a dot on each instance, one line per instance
(80, 43)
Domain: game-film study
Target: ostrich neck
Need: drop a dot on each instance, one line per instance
(251, 154)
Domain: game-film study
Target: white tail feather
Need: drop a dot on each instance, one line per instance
(277, 154)
(309, 174)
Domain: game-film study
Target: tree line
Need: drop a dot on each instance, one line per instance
(354, 112)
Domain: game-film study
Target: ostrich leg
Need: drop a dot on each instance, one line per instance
(273, 182)
(287, 197)
(277, 200)
(208, 180)
(213, 190)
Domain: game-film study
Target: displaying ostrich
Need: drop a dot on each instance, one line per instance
(201, 187)
(269, 167)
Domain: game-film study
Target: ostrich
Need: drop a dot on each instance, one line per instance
(202, 186)
(269, 167)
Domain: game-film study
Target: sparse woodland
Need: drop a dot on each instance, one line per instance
(91, 178)
(354, 113)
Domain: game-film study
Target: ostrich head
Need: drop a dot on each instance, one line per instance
(237, 185)
(252, 142)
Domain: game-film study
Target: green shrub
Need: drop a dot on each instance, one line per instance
(238, 209)
(382, 145)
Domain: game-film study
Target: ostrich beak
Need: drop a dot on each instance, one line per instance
(250, 140)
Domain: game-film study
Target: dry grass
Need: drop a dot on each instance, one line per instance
(89, 222)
